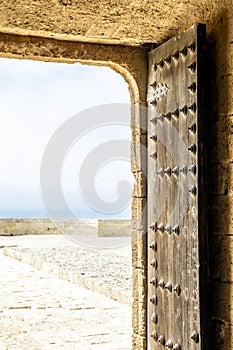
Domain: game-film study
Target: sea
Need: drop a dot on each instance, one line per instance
(79, 214)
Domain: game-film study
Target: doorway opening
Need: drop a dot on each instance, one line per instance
(37, 99)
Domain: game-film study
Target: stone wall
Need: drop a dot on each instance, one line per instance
(83, 227)
(112, 33)
(114, 228)
(220, 171)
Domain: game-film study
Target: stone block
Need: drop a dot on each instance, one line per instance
(221, 214)
(221, 306)
(221, 257)
(221, 335)
(140, 185)
(139, 318)
(139, 213)
(221, 179)
(139, 153)
(138, 342)
(139, 249)
(139, 285)
(114, 228)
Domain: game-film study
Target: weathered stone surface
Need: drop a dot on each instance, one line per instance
(139, 318)
(85, 227)
(222, 147)
(223, 309)
(221, 334)
(139, 153)
(138, 342)
(114, 228)
(221, 214)
(220, 179)
(139, 213)
(221, 257)
(67, 260)
(115, 21)
(38, 311)
(12, 227)
(140, 185)
(139, 249)
(139, 285)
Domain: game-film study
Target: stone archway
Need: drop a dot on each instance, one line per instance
(131, 63)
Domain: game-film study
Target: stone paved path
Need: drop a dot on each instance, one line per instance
(39, 311)
(107, 271)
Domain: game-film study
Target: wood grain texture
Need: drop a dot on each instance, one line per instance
(176, 217)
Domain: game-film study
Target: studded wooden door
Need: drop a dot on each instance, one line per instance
(177, 269)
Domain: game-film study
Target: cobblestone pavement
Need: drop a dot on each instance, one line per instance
(39, 311)
(107, 271)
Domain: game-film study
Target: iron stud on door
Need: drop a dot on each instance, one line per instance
(176, 196)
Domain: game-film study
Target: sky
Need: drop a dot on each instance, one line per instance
(36, 98)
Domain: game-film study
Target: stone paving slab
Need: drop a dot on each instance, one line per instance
(107, 271)
(39, 311)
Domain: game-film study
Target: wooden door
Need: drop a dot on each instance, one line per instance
(177, 257)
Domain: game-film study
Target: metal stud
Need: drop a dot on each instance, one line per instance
(177, 289)
(195, 337)
(175, 171)
(154, 281)
(192, 148)
(192, 128)
(176, 55)
(168, 116)
(192, 47)
(168, 60)
(154, 155)
(192, 67)
(184, 51)
(161, 340)
(161, 284)
(153, 246)
(154, 263)
(192, 88)
(168, 287)
(193, 169)
(176, 113)
(160, 172)
(153, 226)
(153, 138)
(154, 335)
(154, 318)
(176, 347)
(184, 170)
(160, 227)
(160, 118)
(154, 84)
(193, 190)
(168, 171)
(154, 120)
(154, 299)
(193, 107)
(168, 229)
(153, 102)
(184, 110)
(176, 229)
(161, 64)
(169, 344)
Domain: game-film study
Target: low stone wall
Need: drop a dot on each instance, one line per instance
(85, 227)
(114, 228)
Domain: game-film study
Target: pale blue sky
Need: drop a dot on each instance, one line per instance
(36, 98)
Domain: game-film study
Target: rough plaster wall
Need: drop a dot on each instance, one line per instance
(132, 23)
(220, 125)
